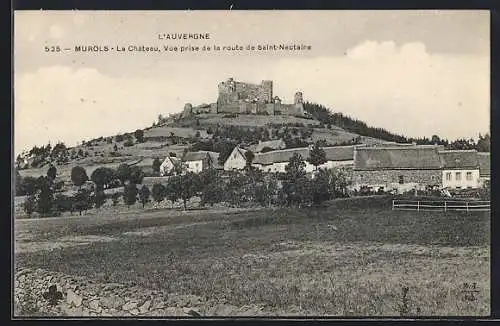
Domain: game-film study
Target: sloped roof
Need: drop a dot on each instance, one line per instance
(280, 155)
(339, 153)
(274, 144)
(173, 159)
(484, 160)
(418, 158)
(458, 159)
(195, 156)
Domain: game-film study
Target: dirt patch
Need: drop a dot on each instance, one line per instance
(160, 229)
(23, 246)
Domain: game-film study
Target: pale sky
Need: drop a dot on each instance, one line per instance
(417, 73)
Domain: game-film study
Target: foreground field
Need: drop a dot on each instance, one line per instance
(337, 260)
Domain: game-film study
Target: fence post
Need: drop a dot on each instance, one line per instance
(393, 204)
(445, 205)
(418, 206)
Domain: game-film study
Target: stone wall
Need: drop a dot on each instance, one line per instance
(85, 298)
(387, 177)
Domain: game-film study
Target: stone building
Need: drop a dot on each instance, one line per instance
(396, 168)
(246, 98)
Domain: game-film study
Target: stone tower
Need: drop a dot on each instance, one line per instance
(267, 91)
(298, 98)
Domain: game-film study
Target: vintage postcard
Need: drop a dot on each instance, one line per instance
(251, 163)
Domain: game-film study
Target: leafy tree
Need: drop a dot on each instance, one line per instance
(249, 157)
(30, 204)
(28, 186)
(130, 194)
(63, 203)
(78, 176)
(99, 198)
(183, 187)
(317, 155)
(159, 192)
(52, 172)
(45, 198)
(136, 175)
(102, 177)
(128, 143)
(321, 187)
(484, 143)
(82, 200)
(144, 195)
(119, 138)
(266, 192)
(156, 165)
(295, 184)
(139, 135)
(123, 173)
(212, 193)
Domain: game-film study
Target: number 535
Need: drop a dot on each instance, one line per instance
(52, 48)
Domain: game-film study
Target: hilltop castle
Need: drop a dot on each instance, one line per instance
(246, 98)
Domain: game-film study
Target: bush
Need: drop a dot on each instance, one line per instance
(119, 138)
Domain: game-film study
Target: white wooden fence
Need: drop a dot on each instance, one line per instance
(416, 205)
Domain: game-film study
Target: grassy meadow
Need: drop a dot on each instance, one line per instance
(348, 258)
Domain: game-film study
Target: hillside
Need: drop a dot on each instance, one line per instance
(175, 135)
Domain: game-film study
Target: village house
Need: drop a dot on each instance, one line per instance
(396, 168)
(236, 160)
(460, 169)
(276, 161)
(198, 161)
(484, 160)
(170, 165)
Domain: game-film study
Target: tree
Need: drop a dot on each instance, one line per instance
(52, 172)
(249, 156)
(139, 135)
(78, 176)
(266, 192)
(183, 187)
(212, 193)
(45, 198)
(156, 165)
(296, 187)
(317, 155)
(484, 143)
(63, 203)
(28, 186)
(130, 194)
(29, 205)
(123, 173)
(144, 195)
(102, 177)
(136, 175)
(99, 198)
(321, 187)
(159, 192)
(82, 200)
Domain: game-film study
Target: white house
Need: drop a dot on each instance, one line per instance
(169, 165)
(460, 169)
(276, 161)
(197, 161)
(236, 160)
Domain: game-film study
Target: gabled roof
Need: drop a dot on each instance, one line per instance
(174, 160)
(484, 160)
(280, 156)
(416, 158)
(274, 144)
(459, 159)
(196, 156)
(339, 153)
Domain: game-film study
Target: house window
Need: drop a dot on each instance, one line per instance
(448, 176)
(401, 180)
(196, 164)
(234, 156)
(468, 176)
(458, 176)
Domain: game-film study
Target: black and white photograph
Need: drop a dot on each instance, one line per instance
(246, 163)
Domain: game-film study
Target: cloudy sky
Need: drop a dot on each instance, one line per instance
(412, 72)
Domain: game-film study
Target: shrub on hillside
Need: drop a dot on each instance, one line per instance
(128, 143)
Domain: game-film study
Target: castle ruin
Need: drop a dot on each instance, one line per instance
(246, 98)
